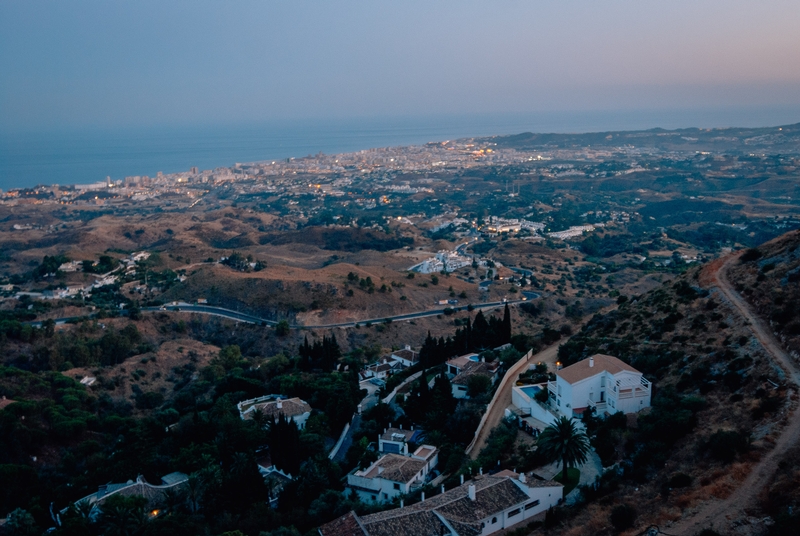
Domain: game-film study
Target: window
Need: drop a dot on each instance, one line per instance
(514, 512)
(374, 497)
(494, 520)
(532, 504)
(559, 390)
(397, 486)
(602, 381)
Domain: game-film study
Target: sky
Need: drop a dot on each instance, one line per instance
(131, 63)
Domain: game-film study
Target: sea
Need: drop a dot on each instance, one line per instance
(67, 156)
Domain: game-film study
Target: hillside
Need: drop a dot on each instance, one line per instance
(720, 403)
(768, 278)
(786, 138)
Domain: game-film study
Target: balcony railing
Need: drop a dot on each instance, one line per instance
(596, 405)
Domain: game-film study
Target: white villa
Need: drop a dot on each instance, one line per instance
(482, 506)
(273, 405)
(393, 475)
(603, 382)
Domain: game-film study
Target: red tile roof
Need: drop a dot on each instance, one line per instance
(581, 370)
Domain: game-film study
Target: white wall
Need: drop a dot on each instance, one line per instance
(564, 396)
(301, 419)
(636, 403)
(459, 391)
(547, 497)
(524, 402)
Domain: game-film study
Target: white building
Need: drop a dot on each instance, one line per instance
(482, 506)
(395, 440)
(572, 232)
(406, 356)
(449, 261)
(602, 382)
(272, 406)
(393, 475)
(461, 369)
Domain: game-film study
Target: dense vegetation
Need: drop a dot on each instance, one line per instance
(85, 440)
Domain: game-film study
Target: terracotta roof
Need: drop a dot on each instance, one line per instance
(581, 370)
(500, 494)
(507, 472)
(4, 402)
(289, 408)
(475, 368)
(462, 360)
(493, 494)
(410, 523)
(424, 451)
(347, 525)
(396, 468)
(408, 355)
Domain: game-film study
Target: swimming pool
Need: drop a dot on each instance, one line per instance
(530, 390)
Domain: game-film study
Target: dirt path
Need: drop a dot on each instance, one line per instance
(503, 398)
(718, 514)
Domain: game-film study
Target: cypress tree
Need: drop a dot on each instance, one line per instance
(506, 327)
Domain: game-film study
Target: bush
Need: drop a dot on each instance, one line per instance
(282, 329)
(724, 445)
(623, 517)
(680, 480)
(150, 400)
(752, 254)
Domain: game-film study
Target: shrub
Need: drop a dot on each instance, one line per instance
(623, 517)
(680, 480)
(150, 400)
(282, 329)
(724, 445)
(750, 255)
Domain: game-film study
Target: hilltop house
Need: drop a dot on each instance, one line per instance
(394, 474)
(273, 405)
(603, 382)
(482, 506)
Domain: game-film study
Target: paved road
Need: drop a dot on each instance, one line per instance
(368, 402)
(719, 514)
(252, 319)
(243, 317)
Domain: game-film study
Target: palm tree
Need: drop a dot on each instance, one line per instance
(562, 441)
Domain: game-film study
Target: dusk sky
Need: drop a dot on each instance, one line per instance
(101, 63)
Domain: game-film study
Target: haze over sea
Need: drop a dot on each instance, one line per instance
(76, 156)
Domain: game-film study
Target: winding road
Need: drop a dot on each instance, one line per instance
(719, 513)
(183, 307)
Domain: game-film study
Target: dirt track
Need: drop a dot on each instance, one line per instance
(718, 514)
